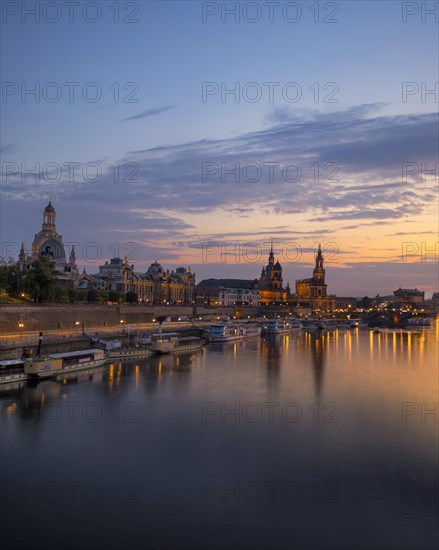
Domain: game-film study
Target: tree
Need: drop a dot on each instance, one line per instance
(92, 295)
(114, 296)
(103, 296)
(4, 278)
(131, 297)
(366, 302)
(61, 294)
(40, 280)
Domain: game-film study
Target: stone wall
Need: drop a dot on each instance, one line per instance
(72, 316)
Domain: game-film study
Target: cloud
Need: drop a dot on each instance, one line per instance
(153, 111)
(9, 148)
(168, 192)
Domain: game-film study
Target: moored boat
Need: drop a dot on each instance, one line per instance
(310, 326)
(59, 363)
(172, 342)
(129, 353)
(278, 326)
(420, 321)
(12, 370)
(231, 331)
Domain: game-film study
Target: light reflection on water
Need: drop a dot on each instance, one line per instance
(321, 441)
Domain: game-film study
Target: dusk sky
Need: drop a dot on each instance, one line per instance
(335, 150)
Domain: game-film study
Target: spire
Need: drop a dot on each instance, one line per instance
(49, 216)
(22, 254)
(271, 255)
(72, 259)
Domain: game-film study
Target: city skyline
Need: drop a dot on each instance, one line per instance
(230, 255)
(174, 151)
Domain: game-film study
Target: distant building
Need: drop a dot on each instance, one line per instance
(345, 303)
(156, 286)
(409, 295)
(314, 289)
(49, 243)
(239, 296)
(208, 290)
(435, 301)
(270, 283)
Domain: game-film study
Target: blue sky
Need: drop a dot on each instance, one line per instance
(170, 133)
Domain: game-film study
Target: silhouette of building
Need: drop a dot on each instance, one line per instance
(409, 295)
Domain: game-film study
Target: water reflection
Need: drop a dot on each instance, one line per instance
(151, 432)
(271, 351)
(316, 342)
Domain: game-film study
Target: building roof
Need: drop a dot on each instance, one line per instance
(53, 248)
(155, 268)
(227, 283)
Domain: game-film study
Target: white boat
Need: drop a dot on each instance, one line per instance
(130, 353)
(420, 321)
(279, 326)
(12, 370)
(172, 342)
(310, 326)
(229, 332)
(328, 324)
(59, 363)
(164, 342)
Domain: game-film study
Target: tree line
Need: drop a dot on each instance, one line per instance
(40, 284)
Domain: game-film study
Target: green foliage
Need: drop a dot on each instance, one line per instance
(131, 297)
(114, 296)
(10, 277)
(92, 295)
(61, 294)
(40, 280)
(103, 296)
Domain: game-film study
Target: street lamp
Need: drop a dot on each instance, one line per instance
(21, 327)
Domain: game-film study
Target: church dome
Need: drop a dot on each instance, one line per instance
(277, 265)
(53, 249)
(49, 208)
(155, 268)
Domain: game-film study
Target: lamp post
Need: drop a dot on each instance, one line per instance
(21, 327)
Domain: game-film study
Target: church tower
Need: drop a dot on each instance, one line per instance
(49, 216)
(319, 272)
(47, 242)
(271, 255)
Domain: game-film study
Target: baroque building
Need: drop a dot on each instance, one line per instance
(314, 290)
(48, 242)
(270, 283)
(156, 286)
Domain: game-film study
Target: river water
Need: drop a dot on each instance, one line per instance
(320, 441)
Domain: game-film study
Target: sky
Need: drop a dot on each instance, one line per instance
(193, 133)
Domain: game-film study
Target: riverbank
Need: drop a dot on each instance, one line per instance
(21, 318)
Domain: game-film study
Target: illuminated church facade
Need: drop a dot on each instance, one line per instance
(270, 283)
(48, 242)
(156, 286)
(314, 290)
